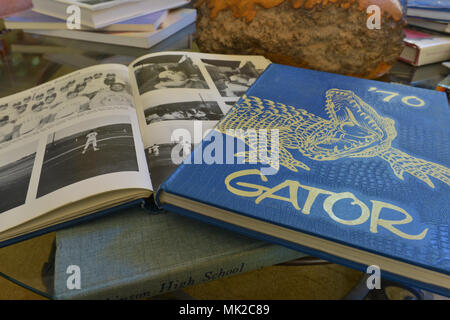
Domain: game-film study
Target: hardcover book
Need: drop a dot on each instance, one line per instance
(175, 21)
(430, 4)
(423, 48)
(429, 9)
(102, 13)
(350, 170)
(440, 26)
(101, 138)
(33, 20)
(153, 254)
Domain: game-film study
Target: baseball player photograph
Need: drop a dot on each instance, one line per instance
(87, 150)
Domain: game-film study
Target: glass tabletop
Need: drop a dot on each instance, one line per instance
(29, 60)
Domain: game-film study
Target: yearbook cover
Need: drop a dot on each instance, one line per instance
(153, 254)
(350, 170)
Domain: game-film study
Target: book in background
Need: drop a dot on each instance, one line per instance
(427, 76)
(82, 54)
(429, 9)
(30, 43)
(102, 13)
(175, 21)
(136, 255)
(30, 19)
(440, 26)
(425, 48)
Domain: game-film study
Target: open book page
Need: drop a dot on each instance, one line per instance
(67, 140)
(180, 96)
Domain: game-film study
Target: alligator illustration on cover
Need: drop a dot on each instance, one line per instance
(353, 130)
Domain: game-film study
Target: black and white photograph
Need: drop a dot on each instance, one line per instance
(186, 110)
(90, 92)
(16, 167)
(159, 159)
(6, 128)
(232, 78)
(167, 72)
(87, 150)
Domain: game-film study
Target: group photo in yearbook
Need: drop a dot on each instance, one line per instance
(32, 113)
(168, 72)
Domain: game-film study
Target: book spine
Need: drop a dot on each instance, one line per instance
(148, 285)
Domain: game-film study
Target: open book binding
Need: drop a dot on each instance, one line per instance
(101, 138)
(350, 170)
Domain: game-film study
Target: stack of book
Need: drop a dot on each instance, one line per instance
(136, 23)
(430, 14)
(432, 45)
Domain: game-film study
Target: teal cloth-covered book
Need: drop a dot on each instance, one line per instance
(350, 170)
(136, 255)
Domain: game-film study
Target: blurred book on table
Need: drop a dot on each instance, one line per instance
(430, 9)
(30, 19)
(440, 26)
(426, 77)
(425, 48)
(48, 46)
(101, 13)
(175, 21)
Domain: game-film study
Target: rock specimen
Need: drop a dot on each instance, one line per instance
(327, 35)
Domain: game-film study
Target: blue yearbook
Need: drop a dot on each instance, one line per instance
(350, 170)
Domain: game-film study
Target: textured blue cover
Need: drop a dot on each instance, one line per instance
(131, 204)
(377, 144)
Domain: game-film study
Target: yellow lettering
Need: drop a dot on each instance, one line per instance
(312, 195)
(262, 192)
(258, 189)
(389, 224)
(293, 193)
(406, 100)
(331, 200)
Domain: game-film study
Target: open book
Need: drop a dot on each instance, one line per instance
(105, 136)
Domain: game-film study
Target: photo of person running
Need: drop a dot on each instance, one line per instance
(91, 139)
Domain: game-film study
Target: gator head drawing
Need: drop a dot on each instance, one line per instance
(353, 130)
